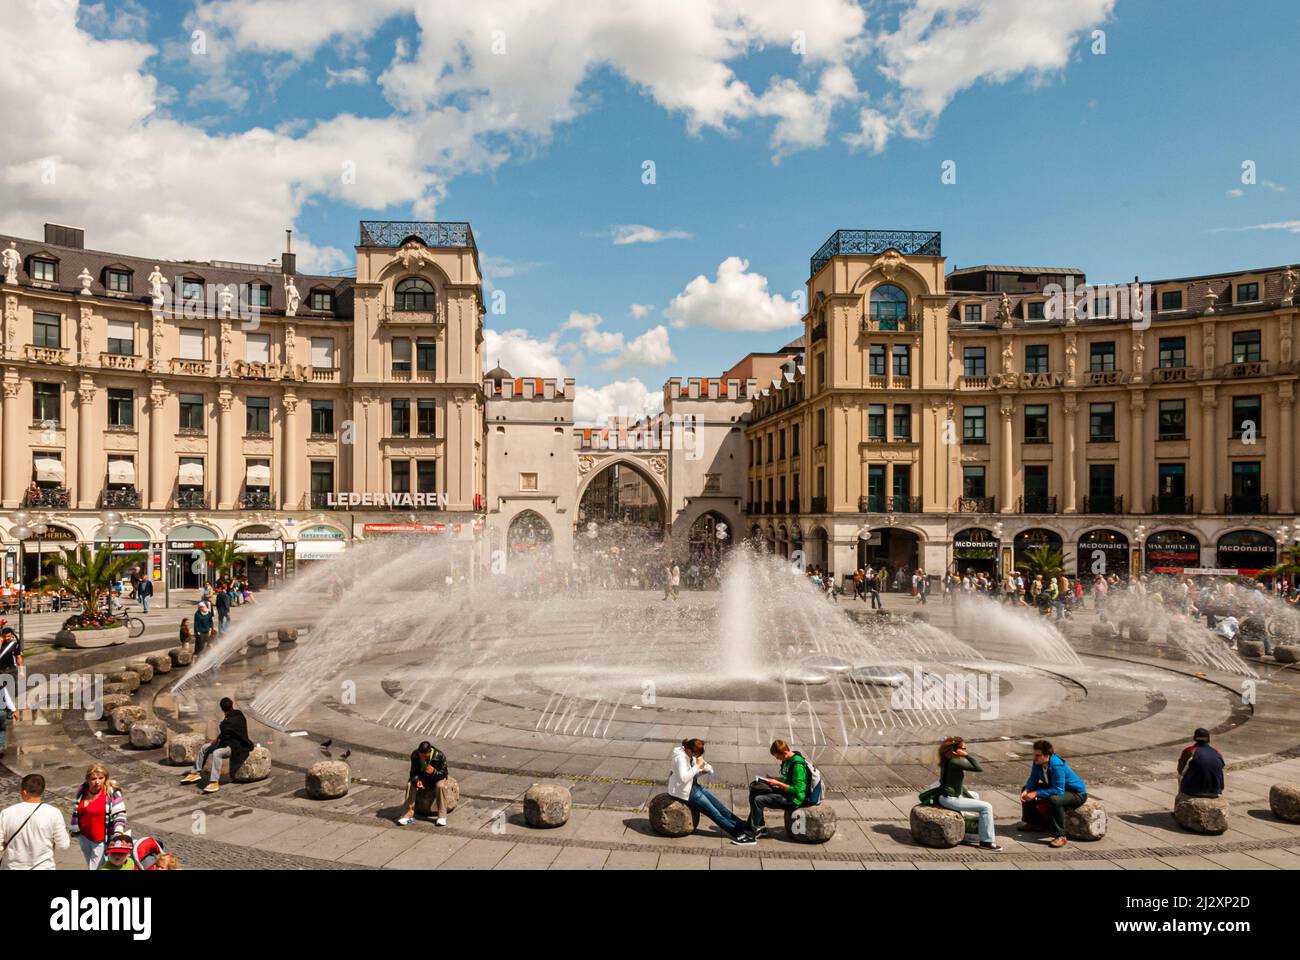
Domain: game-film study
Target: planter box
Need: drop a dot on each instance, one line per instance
(89, 639)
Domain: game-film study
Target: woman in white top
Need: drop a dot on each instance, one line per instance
(683, 783)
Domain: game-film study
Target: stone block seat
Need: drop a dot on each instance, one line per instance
(547, 805)
(1086, 822)
(147, 735)
(183, 748)
(181, 656)
(1201, 814)
(426, 800)
(111, 701)
(670, 817)
(142, 667)
(1284, 801)
(328, 780)
(1250, 649)
(122, 718)
(936, 826)
(256, 766)
(127, 678)
(1287, 653)
(160, 662)
(815, 824)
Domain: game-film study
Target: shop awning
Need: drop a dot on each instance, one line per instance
(121, 471)
(191, 475)
(48, 470)
(257, 546)
(259, 475)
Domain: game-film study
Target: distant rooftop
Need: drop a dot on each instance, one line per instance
(920, 243)
(987, 268)
(392, 233)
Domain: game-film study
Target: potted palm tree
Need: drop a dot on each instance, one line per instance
(87, 575)
(221, 554)
(1044, 561)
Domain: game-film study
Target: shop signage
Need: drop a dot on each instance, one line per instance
(372, 498)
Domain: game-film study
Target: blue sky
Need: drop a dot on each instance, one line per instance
(1124, 163)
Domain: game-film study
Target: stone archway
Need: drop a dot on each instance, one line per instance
(620, 527)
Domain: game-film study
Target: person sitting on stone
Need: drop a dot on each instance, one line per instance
(688, 764)
(1200, 767)
(954, 762)
(1051, 790)
(231, 743)
(799, 785)
(428, 773)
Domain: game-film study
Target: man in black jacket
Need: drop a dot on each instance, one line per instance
(222, 604)
(231, 744)
(1200, 767)
(428, 774)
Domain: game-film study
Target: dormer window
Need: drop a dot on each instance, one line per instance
(192, 290)
(259, 295)
(1035, 310)
(1247, 292)
(117, 281)
(42, 270)
(413, 294)
(973, 313)
(322, 300)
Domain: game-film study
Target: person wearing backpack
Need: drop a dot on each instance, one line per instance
(799, 785)
(1200, 767)
(954, 763)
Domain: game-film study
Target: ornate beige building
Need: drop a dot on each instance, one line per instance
(214, 400)
(961, 419)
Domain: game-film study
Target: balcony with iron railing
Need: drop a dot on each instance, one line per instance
(1171, 503)
(1103, 504)
(817, 505)
(792, 506)
(889, 503)
(976, 504)
(191, 500)
(256, 499)
(59, 498)
(121, 497)
(1245, 503)
(920, 243)
(1036, 503)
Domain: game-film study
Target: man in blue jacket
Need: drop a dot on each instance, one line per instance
(1052, 789)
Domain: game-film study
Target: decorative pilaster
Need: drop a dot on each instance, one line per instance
(1137, 405)
(291, 451)
(87, 430)
(159, 481)
(228, 479)
(1008, 410)
(1071, 408)
(1286, 473)
(15, 476)
(1209, 446)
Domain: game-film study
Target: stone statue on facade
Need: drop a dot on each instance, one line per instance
(156, 344)
(1004, 311)
(1009, 357)
(1139, 353)
(291, 298)
(1071, 357)
(11, 259)
(1288, 286)
(156, 282)
(288, 346)
(87, 327)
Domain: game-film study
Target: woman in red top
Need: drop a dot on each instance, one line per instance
(98, 815)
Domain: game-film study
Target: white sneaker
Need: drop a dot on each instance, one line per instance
(441, 821)
(405, 821)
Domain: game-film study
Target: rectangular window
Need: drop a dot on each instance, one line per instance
(257, 347)
(322, 477)
(426, 417)
(1035, 310)
(192, 291)
(43, 271)
(257, 415)
(876, 360)
(401, 417)
(1101, 481)
(46, 330)
(821, 427)
(263, 468)
(1172, 481)
(121, 408)
(973, 313)
(972, 425)
(972, 481)
(902, 421)
(1101, 422)
(1173, 352)
(1246, 346)
(191, 468)
(1102, 307)
(1101, 357)
(322, 418)
(401, 476)
(821, 369)
(192, 344)
(1245, 417)
(1173, 419)
(191, 411)
(426, 356)
(780, 445)
(426, 476)
(45, 403)
(1247, 292)
(1171, 300)
(121, 337)
(322, 300)
(902, 360)
(1036, 420)
(902, 484)
(527, 482)
(322, 353)
(1246, 479)
(1036, 358)
(794, 441)
(401, 355)
(1036, 488)
(127, 465)
(771, 448)
(260, 295)
(972, 360)
(876, 421)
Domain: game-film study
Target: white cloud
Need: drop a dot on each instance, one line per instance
(622, 398)
(1288, 226)
(651, 349)
(350, 75)
(640, 310)
(736, 300)
(625, 233)
(1235, 192)
(522, 354)
(593, 339)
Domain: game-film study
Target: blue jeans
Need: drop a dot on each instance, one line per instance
(218, 754)
(762, 797)
(92, 851)
(144, 604)
(223, 621)
(713, 808)
(971, 805)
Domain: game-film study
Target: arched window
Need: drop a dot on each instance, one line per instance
(888, 303)
(414, 294)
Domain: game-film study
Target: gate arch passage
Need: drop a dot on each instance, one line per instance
(620, 527)
(1103, 553)
(529, 535)
(709, 540)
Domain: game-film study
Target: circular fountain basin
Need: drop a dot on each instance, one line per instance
(805, 674)
(878, 676)
(828, 664)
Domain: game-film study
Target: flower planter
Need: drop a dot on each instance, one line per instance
(89, 639)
